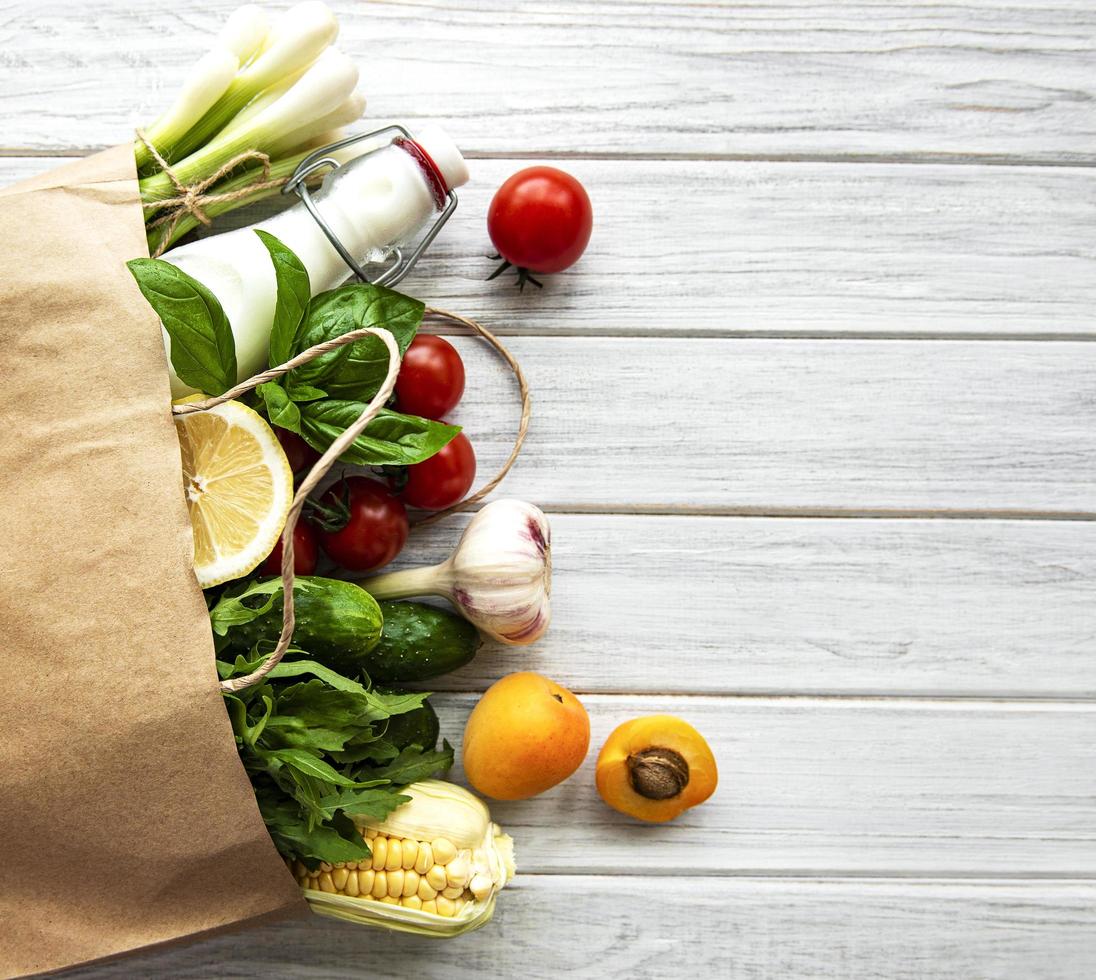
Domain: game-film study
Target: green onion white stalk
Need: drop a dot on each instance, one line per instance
(244, 32)
(206, 84)
(298, 38)
(272, 90)
(499, 577)
(321, 90)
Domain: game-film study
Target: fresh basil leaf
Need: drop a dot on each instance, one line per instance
(390, 439)
(281, 411)
(203, 350)
(357, 370)
(304, 393)
(294, 292)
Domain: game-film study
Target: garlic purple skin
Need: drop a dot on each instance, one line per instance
(499, 577)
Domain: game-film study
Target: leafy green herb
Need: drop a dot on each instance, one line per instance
(294, 292)
(315, 751)
(203, 350)
(279, 409)
(357, 370)
(391, 439)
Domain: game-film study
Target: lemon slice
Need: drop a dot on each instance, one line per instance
(238, 488)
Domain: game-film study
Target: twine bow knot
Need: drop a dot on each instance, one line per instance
(193, 199)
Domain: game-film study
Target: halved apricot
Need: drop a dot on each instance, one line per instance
(655, 768)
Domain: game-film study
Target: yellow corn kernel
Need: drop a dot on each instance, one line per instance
(410, 850)
(480, 886)
(324, 866)
(411, 881)
(458, 871)
(425, 859)
(326, 884)
(430, 906)
(389, 900)
(394, 859)
(411, 902)
(426, 891)
(340, 876)
(444, 850)
(380, 852)
(436, 877)
(452, 892)
(380, 885)
(370, 834)
(352, 884)
(365, 881)
(395, 883)
(446, 907)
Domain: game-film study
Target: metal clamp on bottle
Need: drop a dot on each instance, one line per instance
(402, 263)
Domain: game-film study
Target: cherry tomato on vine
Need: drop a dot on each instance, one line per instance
(299, 453)
(431, 379)
(443, 479)
(372, 524)
(306, 552)
(540, 221)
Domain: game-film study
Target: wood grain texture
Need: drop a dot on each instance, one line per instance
(835, 786)
(801, 929)
(909, 79)
(803, 425)
(748, 168)
(873, 250)
(665, 605)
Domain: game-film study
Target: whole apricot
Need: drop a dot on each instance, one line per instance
(524, 736)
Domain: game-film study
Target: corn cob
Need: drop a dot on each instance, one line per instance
(437, 864)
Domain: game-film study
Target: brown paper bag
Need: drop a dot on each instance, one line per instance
(126, 818)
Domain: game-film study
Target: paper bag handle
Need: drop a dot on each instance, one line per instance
(340, 445)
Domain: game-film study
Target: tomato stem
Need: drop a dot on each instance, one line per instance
(330, 517)
(524, 275)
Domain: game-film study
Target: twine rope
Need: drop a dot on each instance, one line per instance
(192, 199)
(341, 444)
(523, 425)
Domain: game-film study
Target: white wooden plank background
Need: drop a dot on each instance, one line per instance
(731, 927)
(814, 423)
(878, 250)
(972, 79)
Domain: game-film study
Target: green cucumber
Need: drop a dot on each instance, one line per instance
(419, 727)
(419, 642)
(338, 623)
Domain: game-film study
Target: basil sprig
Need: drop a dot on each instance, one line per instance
(203, 350)
(317, 400)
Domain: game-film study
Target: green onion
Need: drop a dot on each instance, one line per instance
(302, 34)
(320, 91)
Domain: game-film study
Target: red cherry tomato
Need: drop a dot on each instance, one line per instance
(431, 379)
(540, 220)
(299, 453)
(443, 479)
(306, 552)
(376, 530)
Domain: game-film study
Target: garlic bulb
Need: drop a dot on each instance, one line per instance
(499, 577)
